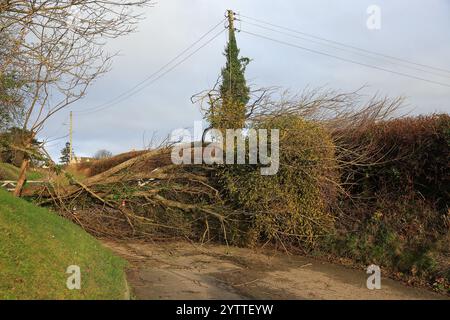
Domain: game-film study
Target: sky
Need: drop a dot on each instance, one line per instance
(407, 29)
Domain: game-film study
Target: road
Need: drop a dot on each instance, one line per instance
(181, 270)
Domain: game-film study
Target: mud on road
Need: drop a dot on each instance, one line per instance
(181, 270)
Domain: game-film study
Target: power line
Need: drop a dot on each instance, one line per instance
(56, 139)
(157, 78)
(58, 143)
(347, 50)
(346, 60)
(56, 132)
(126, 94)
(349, 46)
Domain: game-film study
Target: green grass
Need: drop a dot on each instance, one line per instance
(37, 246)
(10, 172)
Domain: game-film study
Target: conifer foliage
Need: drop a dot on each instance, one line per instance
(65, 154)
(234, 92)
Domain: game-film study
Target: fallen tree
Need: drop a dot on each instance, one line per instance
(148, 197)
(336, 192)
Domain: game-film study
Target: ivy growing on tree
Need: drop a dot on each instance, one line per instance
(234, 92)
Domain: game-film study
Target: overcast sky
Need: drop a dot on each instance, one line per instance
(415, 30)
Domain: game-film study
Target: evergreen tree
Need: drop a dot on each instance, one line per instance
(234, 91)
(65, 158)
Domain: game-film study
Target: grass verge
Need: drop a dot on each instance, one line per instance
(36, 248)
(10, 172)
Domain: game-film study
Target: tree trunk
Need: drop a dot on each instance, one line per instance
(27, 142)
(22, 176)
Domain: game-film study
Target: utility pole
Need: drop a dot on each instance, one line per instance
(70, 137)
(230, 15)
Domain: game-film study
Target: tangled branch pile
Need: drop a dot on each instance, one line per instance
(146, 196)
(149, 197)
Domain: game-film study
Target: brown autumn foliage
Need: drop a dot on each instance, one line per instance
(413, 156)
(397, 213)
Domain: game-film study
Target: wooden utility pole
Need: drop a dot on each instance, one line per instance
(70, 138)
(230, 15)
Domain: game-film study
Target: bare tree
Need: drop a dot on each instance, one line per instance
(103, 154)
(11, 97)
(58, 48)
